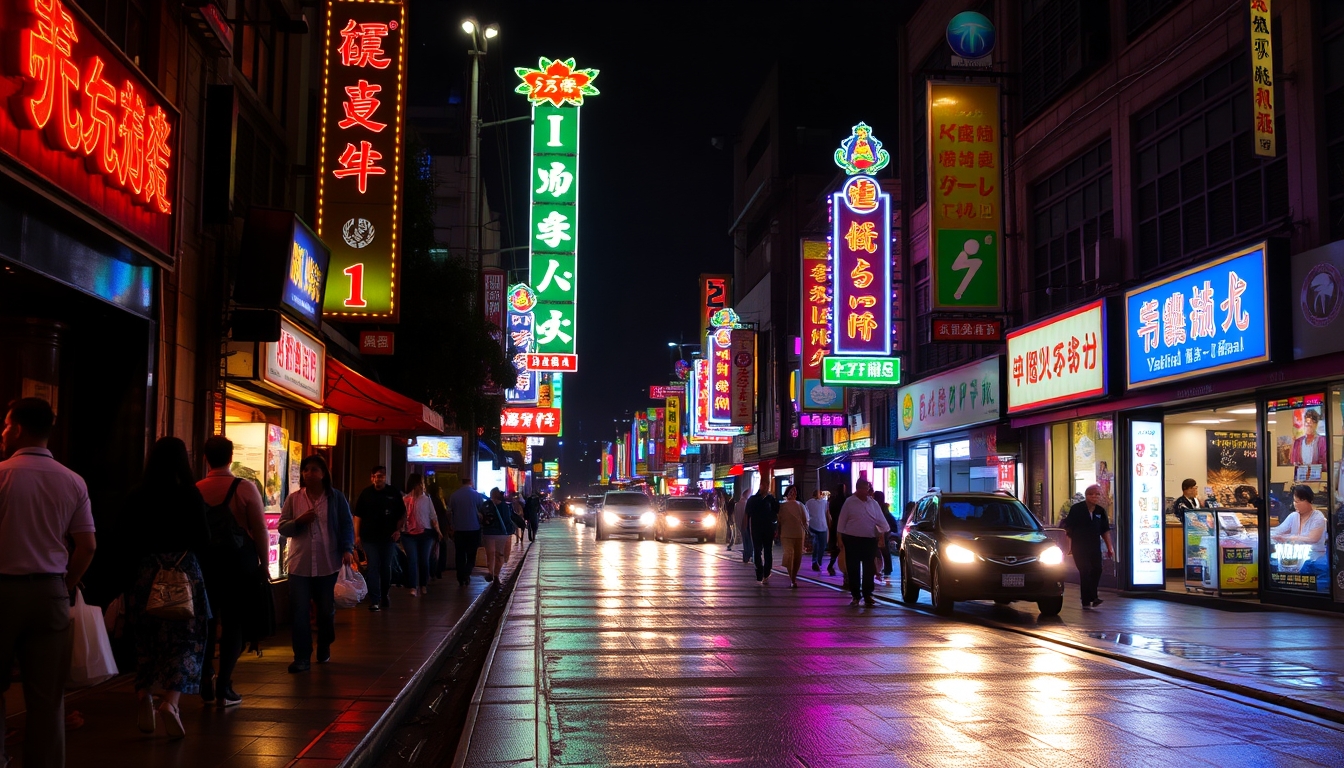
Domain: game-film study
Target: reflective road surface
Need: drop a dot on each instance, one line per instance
(647, 653)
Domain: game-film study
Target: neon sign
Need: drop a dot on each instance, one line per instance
(556, 82)
(359, 184)
(861, 152)
(861, 266)
(107, 136)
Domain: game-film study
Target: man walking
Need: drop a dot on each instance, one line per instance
(817, 527)
(861, 522)
(379, 513)
(1088, 528)
(464, 513)
(763, 513)
(532, 515)
(42, 504)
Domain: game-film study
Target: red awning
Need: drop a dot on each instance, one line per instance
(367, 406)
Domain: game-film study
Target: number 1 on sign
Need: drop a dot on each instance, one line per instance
(356, 296)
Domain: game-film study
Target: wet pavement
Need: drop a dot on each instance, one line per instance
(624, 653)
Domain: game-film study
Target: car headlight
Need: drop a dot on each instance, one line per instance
(648, 518)
(709, 521)
(611, 518)
(959, 554)
(1052, 556)
(672, 522)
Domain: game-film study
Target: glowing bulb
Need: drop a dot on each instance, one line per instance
(491, 32)
(469, 26)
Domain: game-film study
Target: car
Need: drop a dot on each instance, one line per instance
(686, 517)
(625, 512)
(979, 546)
(585, 509)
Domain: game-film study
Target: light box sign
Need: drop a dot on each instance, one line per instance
(742, 389)
(1148, 510)
(556, 91)
(519, 341)
(435, 449)
(296, 364)
(359, 162)
(962, 397)
(529, 421)
(822, 420)
(965, 195)
(306, 278)
(664, 391)
(1262, 77)
(816, 327)
(1059, 359)
(862, 371)
(672, 428)
(1200, 321)
(82, 117)
(1318, 294)
(701, 398)
(715, 294)
(861, 251)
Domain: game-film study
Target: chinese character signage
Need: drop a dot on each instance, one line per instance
(961, 397)
(715, 294)
(742, 389)
(861, 252)
(553, 363)
(816, 327)
(1210, 318)
(701, 399)
(306, 278)
(664, 391)
(1059, 359)
(296, 364)
(556, 90)
(1149, 508)
(1262, 78)
(492, 302)
(529, 421)
(862, 371)
(359, 164)
(377, 343)
(523, 389)
(965, 195)
(82, 117)
(672, 429)
(966, 330)
(435, 449)
(822, 420)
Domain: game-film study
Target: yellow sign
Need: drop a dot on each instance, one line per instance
(672, 429)
(1262, 79)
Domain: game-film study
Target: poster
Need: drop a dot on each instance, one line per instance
(1231, 462)
(1146, 464)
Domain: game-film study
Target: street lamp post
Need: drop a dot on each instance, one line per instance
(480, 43)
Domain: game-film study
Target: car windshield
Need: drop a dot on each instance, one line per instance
(986, 515)
(684, 504)
(626, 499)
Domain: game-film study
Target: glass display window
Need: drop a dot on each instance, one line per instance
(1299, 493)
(1082, 455)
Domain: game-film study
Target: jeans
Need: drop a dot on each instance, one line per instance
(860, 556)
(381, 555)
(763, 546)
(532, 523)
(37, 630)
(466, 544)
(418, 547)
(886, 558)
(1088, 560)
(818, 545)
(319, 590)
(230, 643)
(745, 530)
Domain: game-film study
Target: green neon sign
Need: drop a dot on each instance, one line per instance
(861, 371)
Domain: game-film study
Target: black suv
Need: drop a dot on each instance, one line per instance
(979, 546)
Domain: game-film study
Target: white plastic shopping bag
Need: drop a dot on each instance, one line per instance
(91, 661)
(350, 588)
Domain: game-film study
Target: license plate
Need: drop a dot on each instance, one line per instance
(1014, 580)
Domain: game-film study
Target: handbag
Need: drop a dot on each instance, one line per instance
(170, 595)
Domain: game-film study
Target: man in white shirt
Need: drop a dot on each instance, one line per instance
(42, 505)
(816, 527)
(861, 522)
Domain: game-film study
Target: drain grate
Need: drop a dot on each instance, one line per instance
(1282, 672)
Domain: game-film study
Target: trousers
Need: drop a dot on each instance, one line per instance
(466, 543)
(36, 631)
(319, 590)
(1088, 560)
(763, 548)
(860, 556)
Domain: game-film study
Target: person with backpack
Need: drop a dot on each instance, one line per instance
(235, 580)
(379, 512)
(496, 532)
(532, 515)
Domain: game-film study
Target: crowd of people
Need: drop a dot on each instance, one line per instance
(187, 560)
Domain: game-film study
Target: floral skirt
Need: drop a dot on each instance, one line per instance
(168, 652)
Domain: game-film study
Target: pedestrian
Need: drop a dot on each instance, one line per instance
(164, 519)
(730, 522)
(516, 516)
(378, 517)
(422, 530)
(763, 515)
(884, 543)
(464, 513)
(861, 523)
(235, 579)
(532, 515)
(438, 560)
(744, 525)
(836, 503)
(321, 533)
(817, 527)
(1088, 528)
(42, 504)
(792, 529)
(497, 531)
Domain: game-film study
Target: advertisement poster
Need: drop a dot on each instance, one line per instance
(816, 329)
(1058, 360)
(1145, 464)
(958, 398)
(1231, 462)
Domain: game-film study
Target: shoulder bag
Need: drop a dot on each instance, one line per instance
(170, 595)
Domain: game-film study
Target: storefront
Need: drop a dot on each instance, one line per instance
(954, 440)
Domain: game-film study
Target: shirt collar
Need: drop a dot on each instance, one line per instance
(33, 451)
(221, 472)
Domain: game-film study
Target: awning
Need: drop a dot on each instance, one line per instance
(367, 406)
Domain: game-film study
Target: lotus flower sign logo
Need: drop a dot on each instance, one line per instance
(557, 82)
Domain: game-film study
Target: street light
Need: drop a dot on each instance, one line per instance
(480, 43)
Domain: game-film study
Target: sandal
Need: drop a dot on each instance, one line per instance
(172, 722)
(144, 714)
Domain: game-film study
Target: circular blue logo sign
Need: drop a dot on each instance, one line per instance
(970, 35)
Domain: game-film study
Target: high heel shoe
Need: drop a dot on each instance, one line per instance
(172, 721)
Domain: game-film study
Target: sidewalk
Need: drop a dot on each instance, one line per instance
(309, 720)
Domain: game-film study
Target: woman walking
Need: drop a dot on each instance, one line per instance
(439, 558)
(316, 520)
(833, 543)
(792, 529)
(422, 529)
(165, 519)
(497, 530)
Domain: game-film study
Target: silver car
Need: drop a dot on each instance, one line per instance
(686, 517)
(627, 512)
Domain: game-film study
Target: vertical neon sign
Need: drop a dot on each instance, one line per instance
(861, 250)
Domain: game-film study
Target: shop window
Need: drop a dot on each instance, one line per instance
(1299, 457)
(1084, 453)
(1199, 185)
(1071, 216)
(124, 23)
(919, 472)
(1063, 40)
(261, 52)
(1333, 103)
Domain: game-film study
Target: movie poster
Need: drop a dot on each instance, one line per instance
(1231, 463)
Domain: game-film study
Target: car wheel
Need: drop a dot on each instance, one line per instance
(909, 589)
(1050, 606)
(942, 604)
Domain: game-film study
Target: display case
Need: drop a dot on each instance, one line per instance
(1222, 547)
(261, 457)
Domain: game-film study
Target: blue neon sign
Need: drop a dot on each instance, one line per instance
(1200, 321)
(306, 277)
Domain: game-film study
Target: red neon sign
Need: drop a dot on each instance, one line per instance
(106, 136)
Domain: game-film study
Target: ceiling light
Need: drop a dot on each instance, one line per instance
(1242, 411)
(1209, 421)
